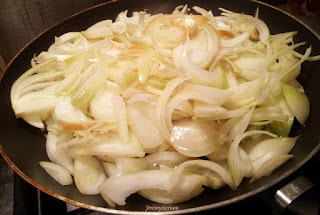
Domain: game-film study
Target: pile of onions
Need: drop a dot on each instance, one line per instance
(165, 105)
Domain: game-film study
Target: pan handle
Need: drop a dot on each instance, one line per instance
(298, 197)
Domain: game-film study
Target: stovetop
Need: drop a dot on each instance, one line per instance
(18, 197)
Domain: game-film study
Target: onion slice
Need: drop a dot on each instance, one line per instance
(297, 101)
(59, 173)
(114, 190)
(88, 174)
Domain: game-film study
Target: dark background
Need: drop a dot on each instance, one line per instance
(22, 20)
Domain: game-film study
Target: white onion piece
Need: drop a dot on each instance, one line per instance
(242, 92)
(235, 41)
(195, 139)
(200, 167)
(203, 46)
(59, 173)
(143, 125)
(176, 100)
(35, 121)
(110, 145)
(194, 92)
(130, 92)
(151, 99)
(215, 95)
(16, 91)
(278, 127)
(269, 148)
(69, 117)
(213, 181)
(241, 126)
(202, 109)
(156, 159)
(199, 75)
(250, 65)
(64, 111)
(269, 166)
(227, 127)
(114, 190)
(220, 154)
(162, 103)
(274, 79)
(246, 159)
(35, 103)
(183, 110)
(217, 113)
(58, 154)
(121, 116)
(109, 168)
(268, 113)
(129, 165)
(88, 174)
(224, 52)
(101, 107)
(239, 167)
(98, 32)
(189, 187)
(261, 27)
(297, 101)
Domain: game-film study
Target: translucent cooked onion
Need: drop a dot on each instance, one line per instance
(88, 174)
(163, 105)
(195, 139)
(59, 173)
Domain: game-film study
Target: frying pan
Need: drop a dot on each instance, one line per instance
(23, 146)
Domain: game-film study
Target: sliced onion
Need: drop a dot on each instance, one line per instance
(162, 102)
(129, 165)
(198, 75)
(156, 159)
(235, 41)
(109, 168)
(202, 109)
(59, 173)
(297, 101)
(121, 116)
(114, 190)
(282, 128)
(238, 167)
(57, 154)
(220, 154)
(269, 166)
(242, 92)
(149, 98)
(189, 187)
(195, 139)
(35, 103)
(88, 174)
(35, 121)
(109, 144)
(143, 125)
(240, 127)
(268, 148)
(203, 44)
(201, 167)
(15, 90)
(101, 107)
